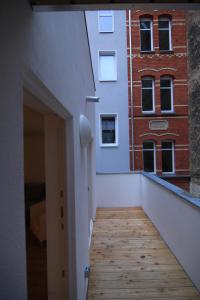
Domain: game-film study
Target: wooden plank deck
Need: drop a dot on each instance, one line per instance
(129, 260)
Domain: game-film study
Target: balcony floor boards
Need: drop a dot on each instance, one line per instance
(130, 260)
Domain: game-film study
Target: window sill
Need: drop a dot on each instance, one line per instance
(166, 51)
(153, 173)
(109, 145)
(109, 80)
(106, 31)
(148, 52)
(168, 113)
(168, 174)
(152, 114)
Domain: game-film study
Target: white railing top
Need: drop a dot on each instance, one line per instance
(174, 189)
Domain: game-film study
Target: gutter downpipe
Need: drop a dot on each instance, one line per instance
(131, 85)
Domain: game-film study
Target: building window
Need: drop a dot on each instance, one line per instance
(166, 94)
(106, 21)
(149, 156)
(146, 35)
(148, 101)
(107, 66)
(108, 130)
(165, 40)
(167, 157)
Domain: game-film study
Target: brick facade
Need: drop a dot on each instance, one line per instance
(156, 64)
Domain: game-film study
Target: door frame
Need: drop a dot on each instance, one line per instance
(45, 102)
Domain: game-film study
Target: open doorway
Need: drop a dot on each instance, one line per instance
(35, 204)
(45, 201)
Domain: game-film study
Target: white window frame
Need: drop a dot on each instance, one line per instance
(170, 32)
(107, 53)
(171, 92)
(116, 144)
(151, 30)
(154, 155)
(173, 156)
(153, 95)
(102, 13)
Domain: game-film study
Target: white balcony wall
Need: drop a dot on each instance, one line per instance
(115, 190)
(178, 222)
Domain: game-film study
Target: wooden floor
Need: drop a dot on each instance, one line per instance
(129, 260)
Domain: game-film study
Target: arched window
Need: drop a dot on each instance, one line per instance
(146, 34)
(166, 94)
(149, 156)
(168, 157)
(148, 95)
(165, 34)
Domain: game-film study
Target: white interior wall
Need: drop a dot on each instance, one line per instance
(54, 48)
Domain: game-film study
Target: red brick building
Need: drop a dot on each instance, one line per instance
(158, 94)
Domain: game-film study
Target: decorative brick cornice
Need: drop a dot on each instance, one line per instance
(158, 134)
(139, 55)
(157, 70)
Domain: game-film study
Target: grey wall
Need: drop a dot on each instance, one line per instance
(113, 95)
(54, 47)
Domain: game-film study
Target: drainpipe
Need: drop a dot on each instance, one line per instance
(131, 85)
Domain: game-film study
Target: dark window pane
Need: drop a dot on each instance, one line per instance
(166, 145)
(147, 100)
(147, 83)
(165, 83)
(148, 145)
(145, 24)
(148, 160)
(108, 130)
(108, 137)
(164, 40)
(165, 95)
(167, 164)
(145, 40)
(163, 24)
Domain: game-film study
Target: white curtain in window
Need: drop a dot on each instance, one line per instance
(107, 67)
(108, 125)
(106, 21)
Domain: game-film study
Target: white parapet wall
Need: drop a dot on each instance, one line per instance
(118, 190)
(176, 215)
